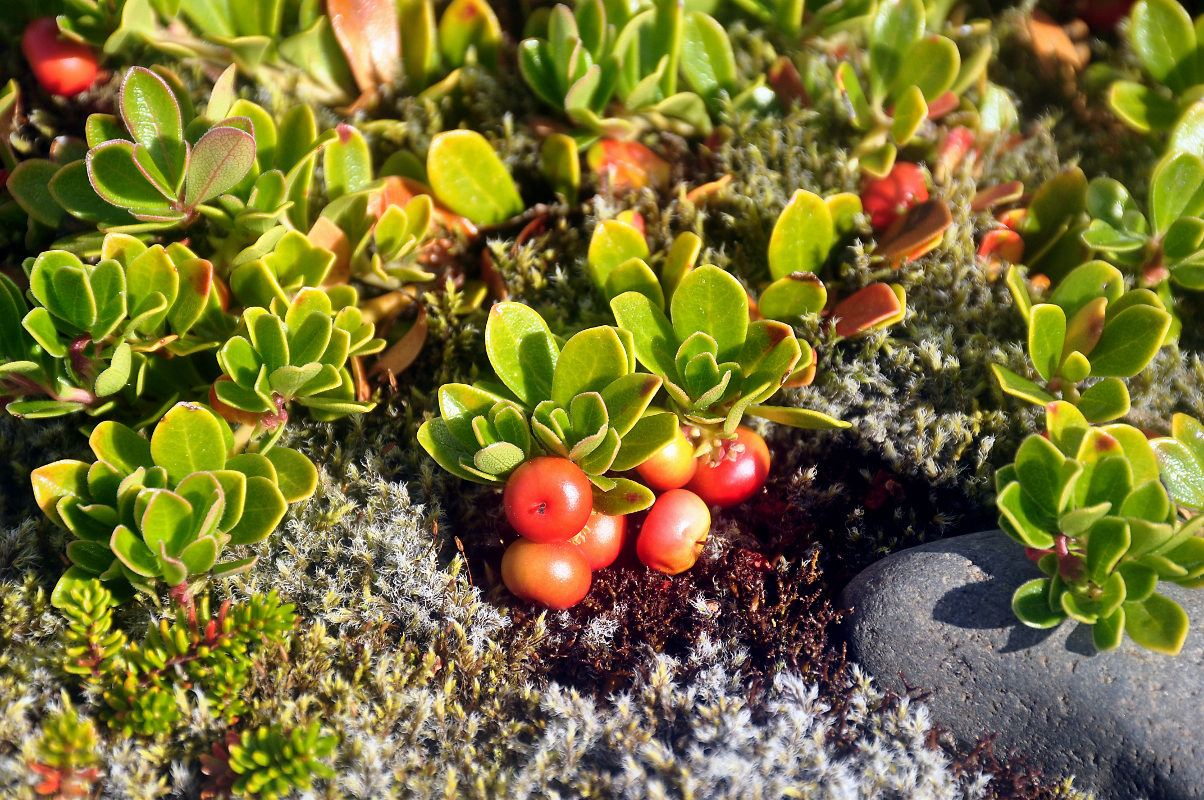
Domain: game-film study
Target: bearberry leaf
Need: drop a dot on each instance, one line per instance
(219, 162)
(1030, 603)
(1176, 189)
(469, 178)
(188, 439)
(1129, 341)
(296, 475)
(1165, 40)
(522, 351)
(625, 497)
(802, 236)
(1157, 623)
(264, 508)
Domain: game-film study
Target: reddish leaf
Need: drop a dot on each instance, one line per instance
(707, 189)
(997, 195)
(787, 84)
(368, 33)
(998, 247)
(330, 236)
(402, 354)
(942, 105)
(627, 166)
(916, 233)
(1051, 44)
(865, 309)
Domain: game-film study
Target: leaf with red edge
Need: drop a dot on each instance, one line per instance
(916, 233)
(868, 309)
(220, 160)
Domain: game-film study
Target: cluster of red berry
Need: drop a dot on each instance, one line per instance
(563, 540)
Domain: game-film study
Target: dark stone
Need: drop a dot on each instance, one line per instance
(1127, 724)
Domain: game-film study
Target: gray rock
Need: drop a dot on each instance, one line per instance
(1127, 724)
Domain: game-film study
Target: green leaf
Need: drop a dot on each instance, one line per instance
(1079, 606)
(1086, 284)
(1077, 522)
(234, 491)
(29, 185)
(522, 351)
(1105, 401)
(1181, 472)
(626, 497)
(469, 24)
(1106, 546)
(1046, 333)
(188, 439)
(1140, 580)
(264, 508)
(499, 458)
(855, 103)
(296, 475)
(803, 418)
(1129, 341)
(1039, 467)
(1030, 603)
(707, 59)
(166, 521)
(118, 180)
(52, 482)
(114, 378)
(152, 115)
(634, 275)
(95, 557)
(199, 556)
(1157, 623)
(649, 435)
(251, 465)
(1176, 189)
(1188, 133)
(626, 399)
(346, 162)
(613, 243)
(793, 296)
(894, 30)
(1108, 631)
(120, 446)
(802, 236)
(1141, 107)
(1027, 523)
(589, 362)
(652, 334)
(470, 179)
(1147, 501)
(561, 165)
(133, 553)
(220, 160)
(711, 301)
(1165, 41)
(931, 66)
(910, 113)
(1015, 385)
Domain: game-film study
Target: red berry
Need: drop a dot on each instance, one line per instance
(888, 198)
(735, 473)
(671, 467)
(63, 66)
(554, 574)
(548, 499)
(601, 540)
(674, 532)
